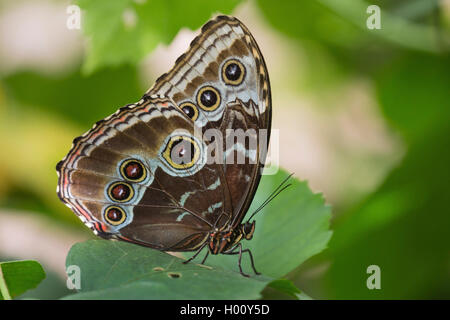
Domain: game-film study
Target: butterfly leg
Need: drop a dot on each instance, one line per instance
(240, 258)
(240, 261)
(232, 251)
(206, 256)
(252, 261)
(196, 254)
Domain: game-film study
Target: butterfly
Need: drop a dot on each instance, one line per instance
(172, 171)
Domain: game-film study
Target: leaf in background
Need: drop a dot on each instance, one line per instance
(124, 31)
(288, 288)
(343, 23)
(316, 28)
(413, 92)
(403, 226)
(16, 277)
(66, 106)
(308, 20)
(77, 98)
(288, 231)
(394, 28)
(51, 288)
(337, 43)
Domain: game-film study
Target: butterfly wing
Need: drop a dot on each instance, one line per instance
(124, 181)
(142, 175)
(225, 62)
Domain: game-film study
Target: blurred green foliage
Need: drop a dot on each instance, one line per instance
(124, 31)
(75, 97)
(402, 226)
(16, 277)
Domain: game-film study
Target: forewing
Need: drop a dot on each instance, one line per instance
(244, 101)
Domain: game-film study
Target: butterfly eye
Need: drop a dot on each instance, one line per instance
(120, 192)
(233, 72)
(114, 215)
(133, 170)
(190, 109)
(181, 152)
(208, 98)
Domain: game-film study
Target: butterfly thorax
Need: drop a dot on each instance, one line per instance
(224, 240)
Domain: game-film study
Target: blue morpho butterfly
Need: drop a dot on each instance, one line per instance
(124, 177)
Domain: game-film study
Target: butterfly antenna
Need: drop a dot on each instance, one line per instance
(268, 201)
(273, 195)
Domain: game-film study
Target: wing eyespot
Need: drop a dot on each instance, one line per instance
(181, 152)
(208, 98)
(120, 192)
(114, 215)
(233, 72)
(190, 110)
(133, 170)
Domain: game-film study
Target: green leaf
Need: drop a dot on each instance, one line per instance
(291, 229)
(77, 98)
(343, 23)
(124, 31)
(16, 277)
(119, 270)
(413, 106)
(394, 29)
(287, 287)
(288, 231)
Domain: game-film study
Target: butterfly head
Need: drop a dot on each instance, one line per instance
(247, 229)
(221, 241)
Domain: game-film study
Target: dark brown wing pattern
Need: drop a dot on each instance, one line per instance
(244, 103)
(164, 206)
(145, 173)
